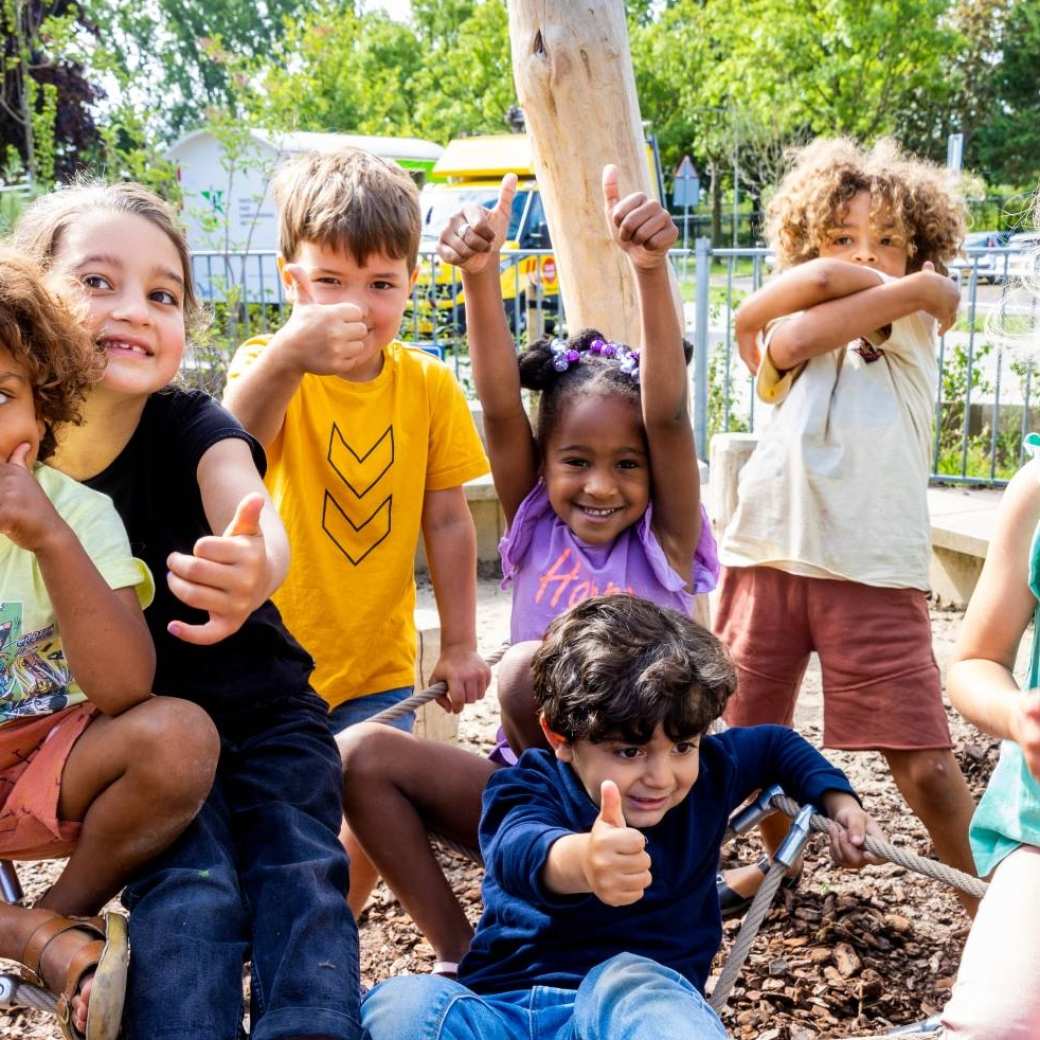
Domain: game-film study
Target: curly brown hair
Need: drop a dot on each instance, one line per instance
(825, 176)
(616, 667)
(45, 335)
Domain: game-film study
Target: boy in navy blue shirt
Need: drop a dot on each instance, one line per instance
(601, 917)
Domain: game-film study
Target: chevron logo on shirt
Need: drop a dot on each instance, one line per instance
(357, 530)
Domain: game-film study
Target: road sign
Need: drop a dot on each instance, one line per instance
(686, 188)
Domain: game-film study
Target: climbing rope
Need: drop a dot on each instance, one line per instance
(431, 693)
(893, 853)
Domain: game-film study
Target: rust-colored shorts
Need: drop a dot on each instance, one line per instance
(33, 753)
(881, 685)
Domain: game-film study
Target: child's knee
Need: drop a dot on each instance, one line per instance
(395, 1009)
(515, 692)
(370, 753)
(933, 774)
(175, 742)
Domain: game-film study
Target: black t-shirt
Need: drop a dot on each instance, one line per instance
(154, 485)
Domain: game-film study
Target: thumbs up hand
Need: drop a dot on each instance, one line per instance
(640, 226)
(615, 861)
(474, 236)
(324, 338)
(225, 575)
(26, 514)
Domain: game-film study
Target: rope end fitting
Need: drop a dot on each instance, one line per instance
(756, 812)
(791, 847)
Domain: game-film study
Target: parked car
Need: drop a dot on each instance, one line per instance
(1024, 262)
(988, 267)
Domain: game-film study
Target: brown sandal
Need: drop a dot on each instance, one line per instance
(107, 956)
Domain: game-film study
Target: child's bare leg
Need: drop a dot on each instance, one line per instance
(934, 787)
(396, 789)
(136, 781)
(516, 698)
(363, 874)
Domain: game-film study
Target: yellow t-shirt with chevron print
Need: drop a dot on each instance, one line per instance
(348, 473)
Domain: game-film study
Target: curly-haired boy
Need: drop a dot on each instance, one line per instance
(829, 548)
(600, 917)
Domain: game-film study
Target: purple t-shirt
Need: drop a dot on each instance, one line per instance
(550, 570)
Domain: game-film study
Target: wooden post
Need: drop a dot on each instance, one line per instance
(574, 79)
(729, 452)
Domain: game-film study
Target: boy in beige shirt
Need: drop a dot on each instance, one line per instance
(829, 547)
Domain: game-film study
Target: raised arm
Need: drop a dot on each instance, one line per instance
(472, 241)
(103, 632)
(644, 231)
(981, 676)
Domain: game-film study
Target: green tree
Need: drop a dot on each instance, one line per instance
(1006, 142)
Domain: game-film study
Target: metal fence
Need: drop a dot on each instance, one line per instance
(983, 404)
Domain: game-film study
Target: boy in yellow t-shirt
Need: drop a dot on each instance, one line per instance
(369, 442)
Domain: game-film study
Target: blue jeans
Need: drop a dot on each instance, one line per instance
(625, 998)
(259, 875)
(361, 709)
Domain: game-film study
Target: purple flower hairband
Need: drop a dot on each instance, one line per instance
(564, 356)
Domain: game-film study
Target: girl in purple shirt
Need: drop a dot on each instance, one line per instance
(585, 518)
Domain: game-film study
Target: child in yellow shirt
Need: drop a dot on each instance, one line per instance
(369, 443)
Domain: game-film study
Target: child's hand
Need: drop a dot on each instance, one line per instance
(641, 227)
(322, 338)
(942, 296)
(616, 864)
(474, 236)
(848, 825)
(226, 576)
(1025, 729)
(26, 514)
(466, 674)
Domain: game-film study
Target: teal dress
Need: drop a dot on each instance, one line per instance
(1009, 814)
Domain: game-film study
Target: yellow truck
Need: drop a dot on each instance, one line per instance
(470, 170)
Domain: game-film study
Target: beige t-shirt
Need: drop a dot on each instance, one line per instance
(837, 486)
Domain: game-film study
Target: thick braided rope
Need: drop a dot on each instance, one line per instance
(910, 860)
(748, 931)
(16, 992)
(431, 693)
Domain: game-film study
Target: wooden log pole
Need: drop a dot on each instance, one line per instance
(574, 80)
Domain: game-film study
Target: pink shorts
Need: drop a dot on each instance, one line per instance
(881, 685)
(33, 753)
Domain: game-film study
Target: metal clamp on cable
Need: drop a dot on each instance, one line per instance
(791, 847)
(753, 814)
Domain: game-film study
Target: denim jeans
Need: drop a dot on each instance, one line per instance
(625, 998)
(259, 875)
(361, 709)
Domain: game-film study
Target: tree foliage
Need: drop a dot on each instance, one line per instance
(109, 82)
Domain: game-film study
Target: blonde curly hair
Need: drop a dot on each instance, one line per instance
(915, 196)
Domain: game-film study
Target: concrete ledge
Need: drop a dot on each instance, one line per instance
(963, 521)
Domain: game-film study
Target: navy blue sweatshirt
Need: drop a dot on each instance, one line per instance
(529, 936)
